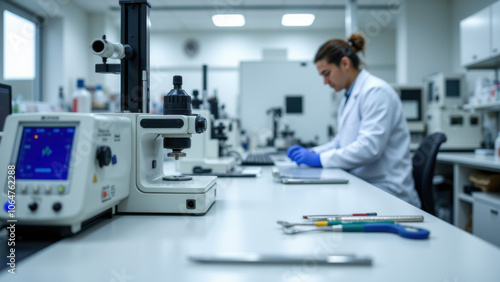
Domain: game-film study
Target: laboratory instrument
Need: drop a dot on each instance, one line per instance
(413, 100)
(151, 191)
(204, 156)
(461, 127)
(444, 90)
(444, 113)
(67, 169)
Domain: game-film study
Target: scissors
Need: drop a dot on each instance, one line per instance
(405, 231)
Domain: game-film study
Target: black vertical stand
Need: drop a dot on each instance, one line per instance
(135, 70)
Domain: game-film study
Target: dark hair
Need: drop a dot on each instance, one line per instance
(335, 49)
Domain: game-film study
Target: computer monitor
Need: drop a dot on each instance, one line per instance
(293, 105)
(412, 103)
(5, 103)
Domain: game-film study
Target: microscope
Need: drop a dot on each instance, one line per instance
(150, 190)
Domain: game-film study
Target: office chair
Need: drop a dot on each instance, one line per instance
(424, 161)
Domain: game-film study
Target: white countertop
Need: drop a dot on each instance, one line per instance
(243, 219)
(470, 159)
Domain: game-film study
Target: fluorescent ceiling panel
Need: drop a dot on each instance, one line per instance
(228, 20)
(297, 19)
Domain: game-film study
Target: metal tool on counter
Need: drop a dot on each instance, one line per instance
(395, 218)
(287, 224)
(255, 258)
(409, 232)
(337, 215)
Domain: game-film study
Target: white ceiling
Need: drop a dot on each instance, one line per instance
(256, 19)
(261, 19)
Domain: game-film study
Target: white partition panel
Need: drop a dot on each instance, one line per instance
(265, 84)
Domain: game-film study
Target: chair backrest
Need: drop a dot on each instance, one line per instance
(424, 162)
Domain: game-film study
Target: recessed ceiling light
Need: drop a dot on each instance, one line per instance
(228, 20)
(297, 19)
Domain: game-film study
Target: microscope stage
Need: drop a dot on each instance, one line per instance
(197, 185)
(195, 196)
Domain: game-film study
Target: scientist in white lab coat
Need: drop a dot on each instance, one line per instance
(373, 140)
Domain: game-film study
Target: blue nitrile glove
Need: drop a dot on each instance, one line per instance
(306, 156)
(293, 149)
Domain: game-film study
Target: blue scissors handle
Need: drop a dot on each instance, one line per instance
(409, 232)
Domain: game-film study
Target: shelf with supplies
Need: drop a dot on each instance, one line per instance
(490, 107)
(465, 211)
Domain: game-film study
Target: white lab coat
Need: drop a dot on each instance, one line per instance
(373, 140)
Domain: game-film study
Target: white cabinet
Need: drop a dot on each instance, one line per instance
(486, 217)
(495, 26)
(475, 37)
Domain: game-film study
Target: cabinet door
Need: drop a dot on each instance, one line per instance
(486, 222)
(475, 37)
(495, 25)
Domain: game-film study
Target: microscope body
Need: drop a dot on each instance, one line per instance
(149, 192)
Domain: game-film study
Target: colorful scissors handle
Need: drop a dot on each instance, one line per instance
(409, 232)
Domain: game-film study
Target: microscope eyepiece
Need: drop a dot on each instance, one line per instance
(177, 80)
(177, 101)
(105, 49)
(98, 46)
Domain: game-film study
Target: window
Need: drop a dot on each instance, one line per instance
(19, 38)
(20, 50)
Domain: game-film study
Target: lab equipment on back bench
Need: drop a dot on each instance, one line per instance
(461, 127)
(444, 90)
(69, 168)
(413, 100)
(204, 156)
(444, 112)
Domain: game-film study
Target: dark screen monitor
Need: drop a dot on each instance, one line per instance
(453, 88)
(293, 104)
(412, 103)
(5, 103)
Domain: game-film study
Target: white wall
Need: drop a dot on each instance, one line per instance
(222, 51)
(65, 45)
(52, 59)
(75, 46)
(424, 42)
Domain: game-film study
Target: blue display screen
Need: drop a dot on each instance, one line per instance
(45, 153)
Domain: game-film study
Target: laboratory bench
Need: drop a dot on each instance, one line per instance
(482, 208)
(243, 219)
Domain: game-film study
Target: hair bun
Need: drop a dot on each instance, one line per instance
(357, 42)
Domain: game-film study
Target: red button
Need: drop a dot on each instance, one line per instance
(104, 194)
